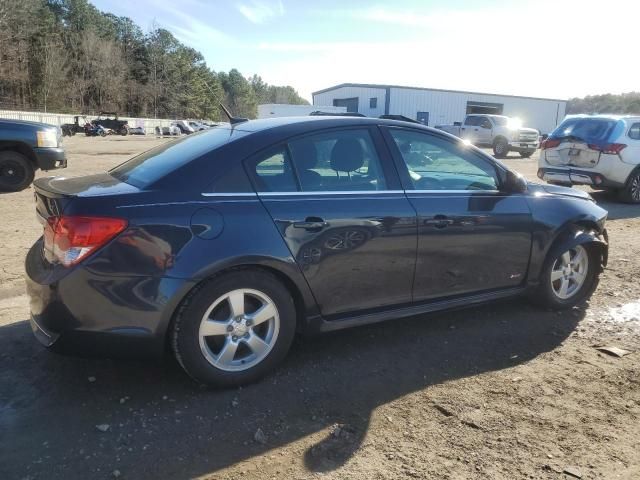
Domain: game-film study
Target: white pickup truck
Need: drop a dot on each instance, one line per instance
(501, 133)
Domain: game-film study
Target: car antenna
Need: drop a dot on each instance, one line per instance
(232, 120)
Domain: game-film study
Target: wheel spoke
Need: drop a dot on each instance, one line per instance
(236, 303)
(212, 327)
(264, 313)
(578, 277)
(578, 257)
(564, 287)
(566, 258)
(256, 344)
(556, 275)
(227, 353)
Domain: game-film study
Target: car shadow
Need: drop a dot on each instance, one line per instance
(617, 210)
(161, 425)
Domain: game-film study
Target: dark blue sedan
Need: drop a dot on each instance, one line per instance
(220, 246)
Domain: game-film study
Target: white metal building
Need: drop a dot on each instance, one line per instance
(269, 110)
(438, 107)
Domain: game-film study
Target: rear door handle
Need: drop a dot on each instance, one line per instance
(311, 223)
(439, 221)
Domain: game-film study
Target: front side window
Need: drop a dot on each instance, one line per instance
(634, 131)
(337, 161)
(435, 163)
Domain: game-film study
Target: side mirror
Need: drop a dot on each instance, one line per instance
(515, 183)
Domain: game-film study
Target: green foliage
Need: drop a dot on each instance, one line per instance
(66, 55)
(625, 103)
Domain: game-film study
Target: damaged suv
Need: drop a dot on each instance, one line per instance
(602, 151)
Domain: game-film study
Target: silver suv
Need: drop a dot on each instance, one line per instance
(602, 151)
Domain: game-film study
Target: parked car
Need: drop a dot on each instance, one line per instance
(110, 120)
(602, 151)
(137, 131)
(172, 129)
(184, 127)
(78, 126)
(222, 245)
(26, 147)
(501, 133)
(198, 126)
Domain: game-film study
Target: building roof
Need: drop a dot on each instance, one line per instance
(370, 85)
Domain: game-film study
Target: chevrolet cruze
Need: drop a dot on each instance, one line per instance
(219, 247)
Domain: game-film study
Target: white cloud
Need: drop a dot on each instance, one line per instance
(259, 12)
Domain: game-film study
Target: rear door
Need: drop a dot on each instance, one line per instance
(469, 128)
(337, 201)
(472, 237)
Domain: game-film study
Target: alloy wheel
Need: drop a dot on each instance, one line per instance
(569, 272)
(635, 188)
(239, 330)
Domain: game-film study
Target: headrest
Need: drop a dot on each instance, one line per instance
(305, 154)
(347, 155)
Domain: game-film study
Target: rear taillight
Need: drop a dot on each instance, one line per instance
(549, 143)
(69, 239)
(611, 148)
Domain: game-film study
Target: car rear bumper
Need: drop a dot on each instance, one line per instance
(51, 158)
(574, 176)
(80, 311)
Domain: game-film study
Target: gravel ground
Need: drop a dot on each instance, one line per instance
(503, 391)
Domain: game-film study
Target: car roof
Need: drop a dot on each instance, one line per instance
(26, 123)
(604, 116)
(317, 122)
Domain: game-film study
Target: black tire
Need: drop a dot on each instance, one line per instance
(545, 295)
(16, 171)
(185, 337)
(526, 154)
(631, 191)
(124, 131)
(500, 147)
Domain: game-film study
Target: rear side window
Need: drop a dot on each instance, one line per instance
(634, 131)
(472, 121)
(337, 161)
(273, 173)
(589, 130)
(158, 162)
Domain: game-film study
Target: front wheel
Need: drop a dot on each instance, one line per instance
(235, 328)
(501, 148)
(526, 154)
(568, 278)
(16, 171)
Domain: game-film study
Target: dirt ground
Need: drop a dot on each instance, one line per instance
(505, 391)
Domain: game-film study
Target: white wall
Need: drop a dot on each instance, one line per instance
(58, 119)
(363, 94)
(448, 107)
(269, 110)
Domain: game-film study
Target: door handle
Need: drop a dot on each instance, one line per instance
(463, 129)
(439, 221)
(476, 129)
(311, 223)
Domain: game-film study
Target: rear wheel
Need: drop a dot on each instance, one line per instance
(568, 278)
(16, 171)
(501, 147)
(234, 329)
(631, 192)
(124, 130)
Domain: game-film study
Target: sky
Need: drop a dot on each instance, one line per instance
(542, 48)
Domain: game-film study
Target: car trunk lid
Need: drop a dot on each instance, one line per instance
(572, 152)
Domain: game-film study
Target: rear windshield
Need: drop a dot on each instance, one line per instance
(154, 164)
(589, 130)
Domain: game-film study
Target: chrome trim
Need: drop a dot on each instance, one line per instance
(245, 194)
(346, 192)
(452, 191)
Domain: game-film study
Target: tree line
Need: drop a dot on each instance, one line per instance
(67, 56)
(625, 103)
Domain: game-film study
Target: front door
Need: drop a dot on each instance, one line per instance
(336, 199)
(472, 237)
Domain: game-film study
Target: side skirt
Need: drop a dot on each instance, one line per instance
(319, 324)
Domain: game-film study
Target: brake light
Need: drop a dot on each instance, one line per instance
(611, 148)
(549, 143)
(69, 239)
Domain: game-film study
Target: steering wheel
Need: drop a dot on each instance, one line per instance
(428, 183)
